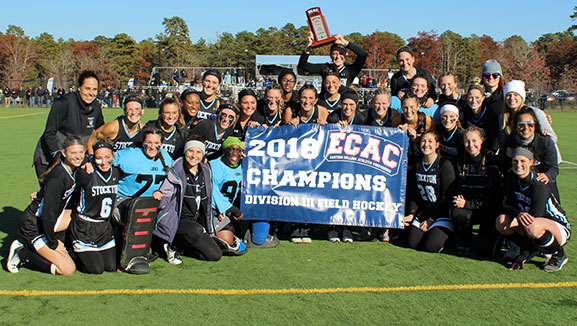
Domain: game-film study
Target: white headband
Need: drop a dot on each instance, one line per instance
(450, 107)
(194, 144)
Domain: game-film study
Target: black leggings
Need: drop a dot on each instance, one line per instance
(96, 262)
(191, 238)
(435, 238)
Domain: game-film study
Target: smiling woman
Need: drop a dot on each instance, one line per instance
(75, 114)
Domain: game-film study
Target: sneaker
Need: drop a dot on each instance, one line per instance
(13, 262)
(305, 238)
(172, 256)
(271, 241)
(513, 251)
(384, 236)
(333, 236)
(347, 236)
(556, 263)
(296, 235)
(138, 265)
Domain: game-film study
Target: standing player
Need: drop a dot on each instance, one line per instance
(475, 113)
(91, 231)
(402, 79)
(449, 94)
(190, 101)
(380, 113)
(171, 125)
(124, 131)
(338, 56)
(331, 96)
(532, 215)
(209, 103)
(429, 200)
(44, 220)
(451, 133)
(248, 117)
(287, 80)
(308, 110)
(77, 113)
(274, 105)
(216, 131)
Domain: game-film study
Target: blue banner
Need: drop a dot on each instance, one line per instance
(354, 175)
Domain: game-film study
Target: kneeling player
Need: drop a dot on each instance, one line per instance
(142, 170)
(44, 220)
(533, 217)
(185, 217)
(91, 231)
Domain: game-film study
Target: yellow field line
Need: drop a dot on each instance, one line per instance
(22, 115)
(34, 293)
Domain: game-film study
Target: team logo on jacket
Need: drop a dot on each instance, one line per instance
(90, 122)
(363, 148)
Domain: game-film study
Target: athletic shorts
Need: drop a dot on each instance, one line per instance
(91, 235)
(444, 222)
(565, 233)
(32, 232)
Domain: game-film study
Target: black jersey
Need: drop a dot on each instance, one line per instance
(239, 131)
(172, 142)
(543, 149)
(430, 188)
(415, 145)
(487, 122)
(194, 197)
(495, 102)
(90, 228)
(534, 197)
(347, 73)
(98, 192)
(273, 120)
(330, 105)
(207, 129)
(400, 83)
(479, 181)
(49, 204)
(208, 109)
(372, 120)
(123, 139)
(443, 99)
(452, 147)
(337, 115)
(312, 119)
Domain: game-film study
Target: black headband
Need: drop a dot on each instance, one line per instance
(100, 145)
(230, 107)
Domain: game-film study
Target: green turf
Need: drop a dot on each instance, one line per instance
(318, 265)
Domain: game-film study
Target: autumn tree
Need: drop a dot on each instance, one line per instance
(427, 49)
(19, 53)
(382, 48)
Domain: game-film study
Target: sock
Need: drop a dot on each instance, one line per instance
(547, 243)
(259, 232)
(29, 257)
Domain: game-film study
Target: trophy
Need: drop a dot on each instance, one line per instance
(318, 26)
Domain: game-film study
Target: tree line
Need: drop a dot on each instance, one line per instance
(548, 63)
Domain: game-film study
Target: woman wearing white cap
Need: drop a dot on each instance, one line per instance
(532, 215)
(515, 100)
(451, 133)
(185, 217)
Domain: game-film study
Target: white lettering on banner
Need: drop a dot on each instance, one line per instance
(321, 203)
(364, 149)
(314, 179)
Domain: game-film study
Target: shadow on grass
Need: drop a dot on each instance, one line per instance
(8, 224)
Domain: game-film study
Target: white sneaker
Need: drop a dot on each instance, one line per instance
(172, 255)
(347, 236)
(333, 236)
(13, 262)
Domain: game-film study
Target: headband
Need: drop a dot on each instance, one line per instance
(450, 107)
(523, 152)
(231, 141)
(195, 144)
(100, 145)
(72, 142)
(230, 107)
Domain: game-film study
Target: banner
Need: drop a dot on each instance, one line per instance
(354, 175)
(131, 83)
(50, 85)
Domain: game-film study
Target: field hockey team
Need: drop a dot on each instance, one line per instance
(481, 158)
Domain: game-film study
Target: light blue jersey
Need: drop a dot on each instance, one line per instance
(140, 176)
(225, 185)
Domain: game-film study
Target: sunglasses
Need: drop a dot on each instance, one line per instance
(495, 75)
(526, 124)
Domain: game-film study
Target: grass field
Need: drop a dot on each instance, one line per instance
(363, 283)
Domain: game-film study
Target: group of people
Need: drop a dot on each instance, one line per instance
(29, 96)
(477, 158)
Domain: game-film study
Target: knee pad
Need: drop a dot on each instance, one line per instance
(260, 232)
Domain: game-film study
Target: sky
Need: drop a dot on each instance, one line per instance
(84, 20)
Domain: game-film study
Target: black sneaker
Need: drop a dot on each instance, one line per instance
(556, 263)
